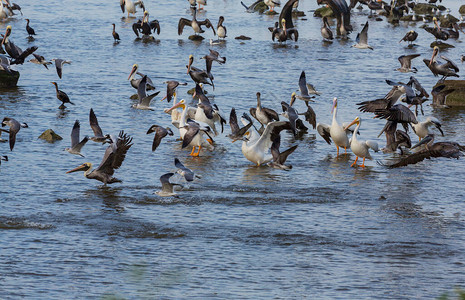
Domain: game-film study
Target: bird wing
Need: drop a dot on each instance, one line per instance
(188, 174)
(323, 130)
(183, 22)
(191, 132)
(364, 34)
(75, 133)
(310, 116)
(398, 113)
(23, 55)
(160, 133)
(415, 158)
(166, 185)
(372, 105)
(450, 64)
(271, 130)
(59, 66)
(372, 145)
(271, 113)
(233, 121)
(141, 89)
(403, 137)
(115, 154)
(208, 24)
(146, 101)
(292, 31)
(286, 14)
(155, 26)
(416, 84)
(94, 124)
(136, 27)
(303, 85)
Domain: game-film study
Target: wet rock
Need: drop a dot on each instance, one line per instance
(462, 10)
(324, 12)
(447, 20)
(8, 79)
(195, 37)
(441, 45)
(50, 136)
(457, 97)
(261, 7)
(298, 13)
(271, 13)
(243, 37)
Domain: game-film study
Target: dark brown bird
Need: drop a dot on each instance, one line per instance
(29, 29)
(171, 86)
(160, 133)
(62, 96)
(115, 34)
(410, 37)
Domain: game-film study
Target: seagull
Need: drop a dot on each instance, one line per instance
(98, 134)
(76, 145)
(279, 158)
(187, 173)
(144, 99)
(304, 89)
(166, 186)
(15, 126)
(237, 133)
(59, 65)
(421, 129)
(40, 60)
(362, 39)
(160, 133)
(406, 63)
(171, 86)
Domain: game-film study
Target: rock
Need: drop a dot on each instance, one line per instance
(7, 79)
(195, 37)
(242, 37)
(261, 7)
(192, 90)
(324, 12)
(298, 13)
(424, 8)
(271, 13)
(50, 136)
(457, 97)
(462, 10)
(441, 45)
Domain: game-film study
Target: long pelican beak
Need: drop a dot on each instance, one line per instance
(7, 33)
(191, 60)
(179, 104)
(82, 167)
(334, 106)
(356, 121)
(435, 52)
(133, 70)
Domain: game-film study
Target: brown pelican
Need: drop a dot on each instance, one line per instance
(171, 86)
(279, 158)
(220, 28)
(437, 31)
(76, 145)
(421, 129)
(112, 160)
(272, 4)
(62, 96)
(145, 27)
(160, 133)
(445, 69)
(167, 188)
(115, 34)
(406, 63)
(17, 54)
(362, 39)
(284, 33)
(395, 138)
(213, 56)
(40, 60)
(187, 173)
(195, 24)
(197, 75)
(398, 113)
(430, 150)
(130, 6)
(256, 149)
(135, 82)
(342, 12)
(334, 132)
(15, 126)
(98, 134)
(410, 37)
(59, 65)
(263, 115)
(144, 99)
(388, 101)
(359, 148)
(237, 133)
(29, 29)
(326, 32)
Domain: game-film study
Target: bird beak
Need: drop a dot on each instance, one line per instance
(334, 106)
(353, 122)
(189, 66)
(132, 72)
(82, 167)
(179, 104)
(435, 52)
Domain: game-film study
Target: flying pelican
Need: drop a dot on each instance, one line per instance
(40, 60)
(144, 99)
(59, 65)
(431, 149)
(98, 134)
(115, 34)
(76, 145)
(62, 96)
(197, 75)
(130, 6)
(360, 149)
(29, 29)
(195, 24)
(17, 54)
(284, 33)
(220, 28)
(237, 133)
(406, 63)
(279, 158)
(167, 189)
(395, 138)
(112, 160)
(160, 133)
(135, 82)
(15, 126)
(335, 132)
(326, 32)
(171, 86)
(410, 37)
(362, 39)
(257, 149)
(263, 115)
(421, 129)
(445, 69)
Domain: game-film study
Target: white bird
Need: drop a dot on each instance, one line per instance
(335, 132)
(272, 4)
(421, 129)
(76, 145)
(167, 189)
(130, 6)
(362, 39)
(360, 148)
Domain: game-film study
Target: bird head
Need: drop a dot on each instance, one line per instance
(7, 34)
(191, 60)
(181, 104)
(133, 70)
(293, 97)
(84, 167)
(355, 121)
(435, 53)
(334, 104)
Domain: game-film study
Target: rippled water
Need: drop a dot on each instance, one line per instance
(321, 230)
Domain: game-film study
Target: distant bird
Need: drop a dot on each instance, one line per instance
(237, 133)
(171, 86)
(306, 89)
(17, 54)
(62, 96)
(76, 145)
(359, 148)
(272, 4)
(3, 158)
(462, 58)
(98, 134)
(15, 126)
(279, 158)
(445, 69)
(29, 29)
(160, 133)
(430, 150)
(40, 60)
(251, 8)
(406, 63)
(130, 6)
(195, 24)
(144, 99)
(112, 160)
(221, 29)
(410, 37)
(326, 32)
(421, 129)
(187, 173)
(115, 34)
(59, 65)
(362, 39)
(167, 188)
(282, 34)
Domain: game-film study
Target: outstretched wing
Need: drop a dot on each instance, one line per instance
(286, 14)
(94, 124)
(183, 22)
(115, 154)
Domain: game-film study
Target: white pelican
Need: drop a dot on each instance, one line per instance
(130, 6)
(421, 129)
(176, 115)
(257, 150)
(334, 132)
(359, 148)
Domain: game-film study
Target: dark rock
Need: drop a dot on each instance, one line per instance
(242, 37)
(324, 12)
(441, 45)
(424, 8)
(195, 37)
(50, 136)
(457, 97)
(8, 79)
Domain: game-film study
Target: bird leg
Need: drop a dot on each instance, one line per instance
(192, 152)
(363, 163)
(337, 154)
(355, 162)
(345, 149)
(198, 152)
